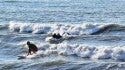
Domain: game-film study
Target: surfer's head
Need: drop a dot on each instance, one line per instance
(28, 42)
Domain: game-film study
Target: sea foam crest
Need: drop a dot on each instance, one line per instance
(43, 28)
(30, 27)
(103, 52)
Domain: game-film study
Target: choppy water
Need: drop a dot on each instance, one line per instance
(67, 11)
(93, 34)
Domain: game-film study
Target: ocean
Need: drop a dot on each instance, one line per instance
(93, 34)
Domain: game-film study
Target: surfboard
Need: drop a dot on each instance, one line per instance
(26, 57)
(21, 57)
(53, 40)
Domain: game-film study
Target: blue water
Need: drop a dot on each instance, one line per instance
(67, 11)
(94, 36)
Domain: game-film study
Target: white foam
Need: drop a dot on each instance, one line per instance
(65, 49)
(102, 53)
(84, 51)
(94, 52)
(53, 40)
(119, 53)
(81, 50)
(73, 29)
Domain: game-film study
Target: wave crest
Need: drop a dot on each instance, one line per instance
(102, 52)
(72, 29)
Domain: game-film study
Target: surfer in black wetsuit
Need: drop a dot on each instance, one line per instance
(57, 36)
(32, 48)
(54, 35)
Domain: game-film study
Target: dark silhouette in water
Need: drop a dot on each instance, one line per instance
(57, 36)
(32, 48)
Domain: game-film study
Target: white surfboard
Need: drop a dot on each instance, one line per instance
(53, 40)
(27, 57)
(22, 57)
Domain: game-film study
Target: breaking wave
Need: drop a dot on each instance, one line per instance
(71, 29)
(81, 50)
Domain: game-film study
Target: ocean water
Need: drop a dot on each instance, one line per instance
(93, 34)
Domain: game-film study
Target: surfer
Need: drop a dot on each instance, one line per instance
(57, 36)
(32, 48)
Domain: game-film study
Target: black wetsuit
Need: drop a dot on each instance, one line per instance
(58, 36)
(32, 48)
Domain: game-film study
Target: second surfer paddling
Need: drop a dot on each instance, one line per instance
(56, 36)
